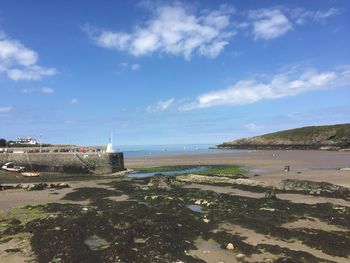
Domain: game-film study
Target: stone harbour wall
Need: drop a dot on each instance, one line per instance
(94, 163)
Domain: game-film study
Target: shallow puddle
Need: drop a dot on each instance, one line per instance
(195, 208)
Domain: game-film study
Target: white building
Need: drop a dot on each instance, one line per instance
(27, 140)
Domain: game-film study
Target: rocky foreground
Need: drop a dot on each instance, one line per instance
(188, 218)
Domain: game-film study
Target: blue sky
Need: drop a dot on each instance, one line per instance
(161, 72)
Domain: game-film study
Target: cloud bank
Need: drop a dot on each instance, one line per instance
(269, 23)
(174, 30)
(161, 105)
(5, 109)
(182, 31)
(44, 90)
(19, 62)
(286, 84)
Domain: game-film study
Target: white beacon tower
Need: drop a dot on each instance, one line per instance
(110, 145)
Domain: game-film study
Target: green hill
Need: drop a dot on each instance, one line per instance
(328, 137)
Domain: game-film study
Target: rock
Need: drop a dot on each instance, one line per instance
(230, 246)
(267, 209)
(206, 220)
(37, 187)
(315, 188)
(162, 181)
(64, 185)
(198, 202)
(240, 257)
(59, 186)
(270, 194)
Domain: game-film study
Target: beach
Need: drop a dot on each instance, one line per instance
(307, 165)
(230, 217)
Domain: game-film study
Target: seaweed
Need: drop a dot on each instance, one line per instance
(156, 225)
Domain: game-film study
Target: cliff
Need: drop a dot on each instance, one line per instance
(328, 137)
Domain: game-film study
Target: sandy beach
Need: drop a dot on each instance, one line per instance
(306, 165)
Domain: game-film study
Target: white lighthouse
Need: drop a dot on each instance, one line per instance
(110, 145)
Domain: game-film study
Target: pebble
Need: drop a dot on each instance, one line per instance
(240, 256)
(230, 246)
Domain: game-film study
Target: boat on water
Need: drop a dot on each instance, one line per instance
(10, 167)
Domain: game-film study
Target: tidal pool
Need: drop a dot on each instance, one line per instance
(195, 208)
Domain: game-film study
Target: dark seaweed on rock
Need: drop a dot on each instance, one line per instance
(155, 225)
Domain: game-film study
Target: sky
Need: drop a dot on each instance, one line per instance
(163, 72)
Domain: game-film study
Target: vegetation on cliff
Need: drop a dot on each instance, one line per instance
(332, 137)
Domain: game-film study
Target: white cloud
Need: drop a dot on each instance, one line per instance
(19, 62)
(30, 73)
(172, 29)
(252, 127)
(5, 109)
(75, 101)
(161, 105)
(281, 85)
(269, 23)
(135, 67)
(45, 90)
(301, 15)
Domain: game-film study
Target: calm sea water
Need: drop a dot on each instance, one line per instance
(163, 150)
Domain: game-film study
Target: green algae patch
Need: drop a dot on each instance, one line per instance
(225, 170)
(23, 214)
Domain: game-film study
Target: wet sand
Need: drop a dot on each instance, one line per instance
(305, 165)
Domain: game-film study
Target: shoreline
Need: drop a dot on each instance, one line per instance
(314, 165)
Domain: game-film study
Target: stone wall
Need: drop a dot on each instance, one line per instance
(95, 163)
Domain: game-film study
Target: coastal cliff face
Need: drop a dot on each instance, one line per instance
(330, 137)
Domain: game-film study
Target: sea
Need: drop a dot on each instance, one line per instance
(169, 149)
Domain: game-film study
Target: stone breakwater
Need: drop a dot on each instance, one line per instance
(94, 163)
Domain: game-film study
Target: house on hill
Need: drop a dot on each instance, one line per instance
(27, 140)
